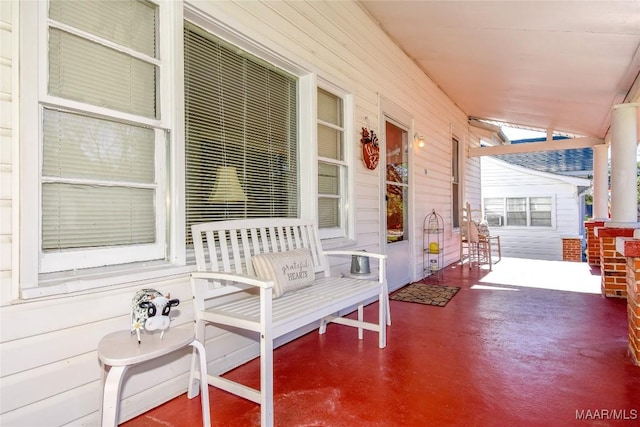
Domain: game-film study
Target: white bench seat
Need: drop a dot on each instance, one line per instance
(228, 292)
(294, 310)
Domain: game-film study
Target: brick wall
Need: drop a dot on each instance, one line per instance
(630, 248)
(593, 242)
(613, 269)
(633, 306)
(613, 265)
(572, 249)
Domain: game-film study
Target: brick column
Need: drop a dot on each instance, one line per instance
(630, 248)
(613, 265)
(593, 243)
(572, 249)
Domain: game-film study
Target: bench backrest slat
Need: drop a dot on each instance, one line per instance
(231, 244)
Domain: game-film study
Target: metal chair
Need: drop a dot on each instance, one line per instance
(476, 246)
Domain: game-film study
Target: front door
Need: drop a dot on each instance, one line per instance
(396, 143)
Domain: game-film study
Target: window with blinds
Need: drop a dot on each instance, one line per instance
(519, 211)
(332, 168)
(540, 211)
(240, 134)
(456, 194)
(494, 211)
(102, 140)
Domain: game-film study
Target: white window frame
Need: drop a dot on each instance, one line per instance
(344, 166)
(456, 180)
(527, 198)
(68, 270)
(30, 283)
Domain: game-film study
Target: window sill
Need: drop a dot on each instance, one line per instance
(100, 279)
(338, 243)
(105, 278)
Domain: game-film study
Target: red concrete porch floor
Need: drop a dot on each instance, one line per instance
(507, 350)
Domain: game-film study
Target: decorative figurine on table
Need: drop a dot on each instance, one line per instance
(150, 310)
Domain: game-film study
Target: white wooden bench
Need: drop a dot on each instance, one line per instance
(227, 292)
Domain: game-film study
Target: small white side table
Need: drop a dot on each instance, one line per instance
(120, 350)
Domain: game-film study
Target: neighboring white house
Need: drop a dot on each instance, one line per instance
(116, 117)
(530, 210)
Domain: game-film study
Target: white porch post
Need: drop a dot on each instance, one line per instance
(600, 182)
(624, 202)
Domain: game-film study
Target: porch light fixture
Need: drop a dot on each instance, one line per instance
(419, 140)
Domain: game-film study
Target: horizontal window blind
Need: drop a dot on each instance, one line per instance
(328, 195)
(330, 108)
(78, 146)
(540, 208)
(80, 216)
(240, 113)
(88, 72)
(331, 169)
(86, 162)
(131, 24)
(517, 211)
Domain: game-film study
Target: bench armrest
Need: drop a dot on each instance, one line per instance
(233, 277)
(358, 253)
(382, 259)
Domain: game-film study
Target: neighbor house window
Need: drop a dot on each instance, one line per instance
(519, 211)
(540, 211)
(240, 134)
(494, 211)
(332, 165)
(98, 120)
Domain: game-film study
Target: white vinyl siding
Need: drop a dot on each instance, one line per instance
(553, 209)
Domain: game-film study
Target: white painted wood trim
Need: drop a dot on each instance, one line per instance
(531, 147)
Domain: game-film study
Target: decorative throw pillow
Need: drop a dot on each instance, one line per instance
(289, 270)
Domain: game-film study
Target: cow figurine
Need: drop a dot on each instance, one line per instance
(150, 310)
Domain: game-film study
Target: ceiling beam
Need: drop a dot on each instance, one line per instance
(530, 147)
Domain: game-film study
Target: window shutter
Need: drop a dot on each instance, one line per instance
(241, 113)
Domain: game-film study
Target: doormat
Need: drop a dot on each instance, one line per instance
(423, 293)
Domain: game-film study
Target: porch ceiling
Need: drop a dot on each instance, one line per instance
(557, 65)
